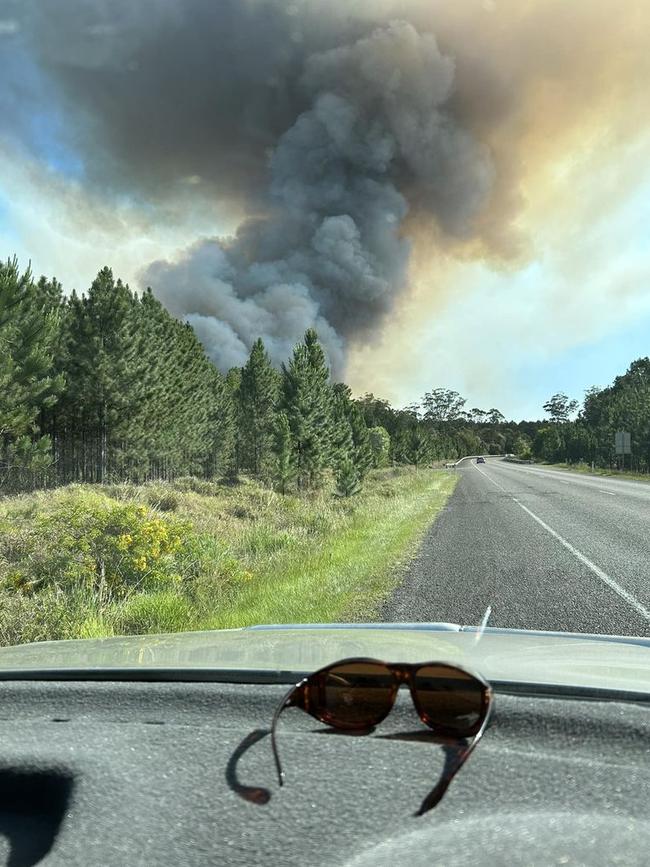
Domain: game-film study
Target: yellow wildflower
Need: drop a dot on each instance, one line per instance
(124, 541)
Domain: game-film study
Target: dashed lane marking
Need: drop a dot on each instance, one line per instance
(631, 600)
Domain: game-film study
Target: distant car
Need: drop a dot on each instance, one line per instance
(480, 460)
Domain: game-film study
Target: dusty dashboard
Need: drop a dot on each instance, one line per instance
(133, 773)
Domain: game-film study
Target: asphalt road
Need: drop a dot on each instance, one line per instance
(544, 548)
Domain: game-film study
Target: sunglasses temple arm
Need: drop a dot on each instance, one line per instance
(455, 758)
(291, 699)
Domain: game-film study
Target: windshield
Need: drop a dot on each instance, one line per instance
(314, 313)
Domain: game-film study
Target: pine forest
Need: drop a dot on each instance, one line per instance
(107, 386)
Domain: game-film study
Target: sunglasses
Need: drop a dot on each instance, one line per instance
(355, 695)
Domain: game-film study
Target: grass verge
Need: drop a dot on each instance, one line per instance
(346, 574)
(585, 469)
(86, 561)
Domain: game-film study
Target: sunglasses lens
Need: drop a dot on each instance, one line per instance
(450, 699)
(354, 695)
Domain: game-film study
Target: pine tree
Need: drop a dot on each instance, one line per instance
(419, 447)
(285, 470)
(49, 294)
(233, 384)
(257, 403)
(342, 442)
(307, 400)
(194, 400)
(222, 422)
(49, 297)
(380, 444)
(351, 439)
(104, 372)
(188, 405)
(143, 400)
(160, 403)
(363, 455)
(28, 332)
(347, 479)
(323, 399)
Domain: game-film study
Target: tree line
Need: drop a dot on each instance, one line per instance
(108, 386)
(589, 437)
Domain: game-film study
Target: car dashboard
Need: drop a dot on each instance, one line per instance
(156, 773)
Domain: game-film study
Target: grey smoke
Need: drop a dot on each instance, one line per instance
(324, 128)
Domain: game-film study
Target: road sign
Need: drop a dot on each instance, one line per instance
(623, 443)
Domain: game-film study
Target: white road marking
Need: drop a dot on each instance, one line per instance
(565, 481)
(598, 572)
(490, 479)
(628, 486)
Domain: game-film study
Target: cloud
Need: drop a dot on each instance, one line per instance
(63, 230)
(511, 338)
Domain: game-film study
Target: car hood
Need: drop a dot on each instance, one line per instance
(282, 653)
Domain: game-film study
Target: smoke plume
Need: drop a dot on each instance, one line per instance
(332, 134)
(328, 251)
(315, 125)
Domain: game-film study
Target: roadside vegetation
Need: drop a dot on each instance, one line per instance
(144, 490)
(88, 561)
(586, 469)
(588, 437)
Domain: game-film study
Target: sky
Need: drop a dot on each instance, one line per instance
(454, 195)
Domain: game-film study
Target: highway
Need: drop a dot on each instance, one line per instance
(545, 549)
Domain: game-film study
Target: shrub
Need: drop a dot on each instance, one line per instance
(385, 490)
(122, 492)
(94, 543)
(162, 498)
(242, 512)
(45, 616)
(80, 564)
(190, 484)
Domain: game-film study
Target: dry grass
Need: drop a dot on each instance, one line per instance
(250, 555)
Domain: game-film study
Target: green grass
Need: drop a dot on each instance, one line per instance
(600, 471)
(248, 555)
(345, 573)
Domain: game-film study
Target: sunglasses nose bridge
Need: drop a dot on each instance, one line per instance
(402, 677)
(406, 676)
